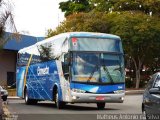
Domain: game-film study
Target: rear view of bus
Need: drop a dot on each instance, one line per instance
(96, 69)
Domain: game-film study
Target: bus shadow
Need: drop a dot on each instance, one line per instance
(81, 108)
(74, 107)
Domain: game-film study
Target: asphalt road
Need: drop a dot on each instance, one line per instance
(48, 110)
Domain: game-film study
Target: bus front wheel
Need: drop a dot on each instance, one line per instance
(59, 103)
(101, 105)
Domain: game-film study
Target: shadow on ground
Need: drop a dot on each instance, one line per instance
(74, 107)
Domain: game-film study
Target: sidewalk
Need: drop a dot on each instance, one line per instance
(131, 92)
(13, 97)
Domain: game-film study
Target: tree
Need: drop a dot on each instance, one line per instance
(135, 21)
(74, 6)
(146, 6)
(140, 35)
(91, 22)
(6, 19)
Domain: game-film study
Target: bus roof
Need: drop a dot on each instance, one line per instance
(92, 34)
(74, 34)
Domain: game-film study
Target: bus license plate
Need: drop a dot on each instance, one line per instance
(100, 98)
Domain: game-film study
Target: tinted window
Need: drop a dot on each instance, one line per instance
(46, 51)
(150, 83)
(96, 44)
(97, 68)
(157, 82)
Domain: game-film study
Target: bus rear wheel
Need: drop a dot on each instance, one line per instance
(59, 104)
(29, 101)
(101, 106)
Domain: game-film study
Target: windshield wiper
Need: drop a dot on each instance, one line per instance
(92, 73)
(119, 69)
(107, 73)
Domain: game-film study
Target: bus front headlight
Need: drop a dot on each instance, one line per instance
(119, 91)
(78, 90)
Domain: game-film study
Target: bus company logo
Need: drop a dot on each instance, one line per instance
(120, 87)
(74, 41)
(42, 71)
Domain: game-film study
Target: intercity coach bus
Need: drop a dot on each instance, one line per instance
(74, 67)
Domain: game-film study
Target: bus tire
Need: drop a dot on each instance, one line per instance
(29, 101)
(100, 105)
(59, 104)
(4, 98)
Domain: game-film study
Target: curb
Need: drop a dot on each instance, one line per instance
(132, 92)
(6, 113)
(13, 97)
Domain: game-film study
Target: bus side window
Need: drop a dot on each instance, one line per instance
(65, 65)
(18, 59)
(22, 59)
(46, 52)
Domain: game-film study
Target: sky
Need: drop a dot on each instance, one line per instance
(35, 17)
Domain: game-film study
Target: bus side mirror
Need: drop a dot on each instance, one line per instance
(67, 59)
(65, 66)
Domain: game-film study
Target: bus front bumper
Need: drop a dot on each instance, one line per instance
(94, 98)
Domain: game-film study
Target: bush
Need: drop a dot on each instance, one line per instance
(129, 82)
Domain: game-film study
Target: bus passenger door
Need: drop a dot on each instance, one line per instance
(20, 73)
(66, 83)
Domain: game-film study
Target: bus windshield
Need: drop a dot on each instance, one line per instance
(97, 68)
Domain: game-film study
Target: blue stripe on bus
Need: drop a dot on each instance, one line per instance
(99, 89)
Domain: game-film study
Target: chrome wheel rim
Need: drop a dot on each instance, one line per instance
(26, 97)
(57, 99)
